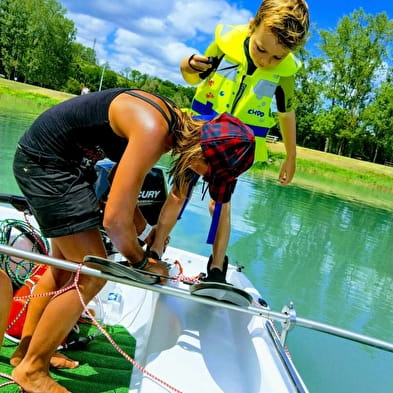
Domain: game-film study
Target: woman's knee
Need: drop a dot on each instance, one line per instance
(90, 286)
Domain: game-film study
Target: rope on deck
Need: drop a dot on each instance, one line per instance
(96, 324)
(10, 382)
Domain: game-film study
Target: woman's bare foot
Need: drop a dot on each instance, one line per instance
(36, 382)
(58, 360)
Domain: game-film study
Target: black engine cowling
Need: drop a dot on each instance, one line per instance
(151, 197)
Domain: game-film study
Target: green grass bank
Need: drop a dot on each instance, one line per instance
(345, 177)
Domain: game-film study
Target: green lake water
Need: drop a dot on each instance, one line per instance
(333, 258)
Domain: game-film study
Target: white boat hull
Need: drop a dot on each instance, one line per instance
(187, 346)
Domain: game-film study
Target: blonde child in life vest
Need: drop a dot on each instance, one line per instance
(242, 71)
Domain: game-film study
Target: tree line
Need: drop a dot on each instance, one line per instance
(344, 93)
(37, 46)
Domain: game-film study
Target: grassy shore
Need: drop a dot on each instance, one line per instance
(345, 177)
(342, 176)
(24, 90)
(19, 97)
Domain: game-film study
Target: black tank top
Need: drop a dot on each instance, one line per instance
(79, 128)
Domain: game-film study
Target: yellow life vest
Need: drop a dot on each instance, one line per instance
(230, 89)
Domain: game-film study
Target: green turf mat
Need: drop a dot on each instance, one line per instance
(101, 367)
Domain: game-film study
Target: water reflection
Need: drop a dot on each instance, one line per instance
(326, 253)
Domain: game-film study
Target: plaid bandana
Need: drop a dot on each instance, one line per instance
(228, 146)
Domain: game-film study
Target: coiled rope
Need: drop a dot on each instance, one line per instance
(20, 234)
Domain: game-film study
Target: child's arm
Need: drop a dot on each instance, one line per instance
(287, 122)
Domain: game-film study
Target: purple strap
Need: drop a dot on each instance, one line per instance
(214, 224)
(189, 191)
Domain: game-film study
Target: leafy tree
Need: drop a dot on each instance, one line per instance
(308, 100)
(54, 49)
(137, 78)
(82, 59)
(84, 54)
(13, 36)
(35, 41)
(110, 79)
(354, 56)
(151, 85)
(378, 120)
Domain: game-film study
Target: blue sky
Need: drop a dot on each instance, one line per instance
(153, 36)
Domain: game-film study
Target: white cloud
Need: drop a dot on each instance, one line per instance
(201, 16)
(151, 25)
(151, 37)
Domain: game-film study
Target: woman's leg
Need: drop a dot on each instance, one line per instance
(59, 316)
(5, 303)
(51, 280)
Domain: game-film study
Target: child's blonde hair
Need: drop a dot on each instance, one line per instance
(287, 19)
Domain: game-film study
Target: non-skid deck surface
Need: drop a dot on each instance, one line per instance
(101, 368)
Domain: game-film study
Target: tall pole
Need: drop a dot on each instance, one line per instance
(102, 76)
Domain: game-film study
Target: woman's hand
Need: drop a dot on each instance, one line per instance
(158, 267)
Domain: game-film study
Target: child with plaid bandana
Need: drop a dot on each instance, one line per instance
(228, 148)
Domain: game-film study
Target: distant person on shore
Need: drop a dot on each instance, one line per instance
(5, 302)
(241, 71)
(54, 166)
(85, 90)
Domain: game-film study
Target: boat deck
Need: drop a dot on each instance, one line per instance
(196, 347)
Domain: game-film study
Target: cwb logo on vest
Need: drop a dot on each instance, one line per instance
(256, 112)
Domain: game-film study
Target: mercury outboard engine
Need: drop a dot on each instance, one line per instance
(153, 195)
(151, 198)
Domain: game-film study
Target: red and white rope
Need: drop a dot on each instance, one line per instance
(99, 327)
(115, 345)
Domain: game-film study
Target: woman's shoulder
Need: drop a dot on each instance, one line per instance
(139, 111)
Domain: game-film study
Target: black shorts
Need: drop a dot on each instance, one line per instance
(61, 195)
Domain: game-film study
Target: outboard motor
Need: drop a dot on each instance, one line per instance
(151, 198)
(153, 195)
